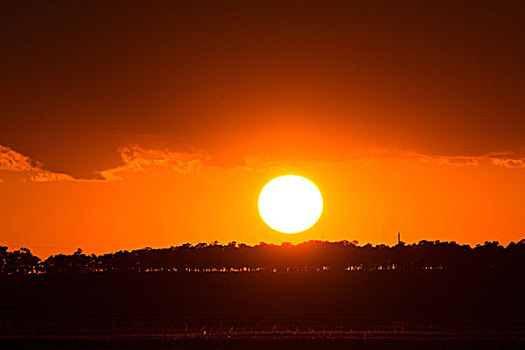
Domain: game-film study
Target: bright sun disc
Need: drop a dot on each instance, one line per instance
(290, 204)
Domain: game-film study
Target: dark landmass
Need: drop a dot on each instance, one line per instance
(312, 256)
(316, 295)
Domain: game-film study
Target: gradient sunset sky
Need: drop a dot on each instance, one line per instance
(155, 123)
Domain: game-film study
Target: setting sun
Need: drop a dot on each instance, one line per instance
(290, 204)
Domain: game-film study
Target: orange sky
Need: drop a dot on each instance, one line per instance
(158, 124)
(366, 199)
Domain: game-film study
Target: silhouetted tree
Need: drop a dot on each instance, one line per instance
(305, 257)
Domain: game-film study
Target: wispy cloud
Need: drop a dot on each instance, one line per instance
(136, 158)
(370, 155)
(452, 161)
(512, 163)
(139, 159)
(13, 161)
(512, 160)
(459, 161)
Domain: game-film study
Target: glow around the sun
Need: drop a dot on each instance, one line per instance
(290, 204)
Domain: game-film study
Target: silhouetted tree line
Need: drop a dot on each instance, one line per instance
(305, 257)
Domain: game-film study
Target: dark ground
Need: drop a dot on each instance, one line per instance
(364, 310)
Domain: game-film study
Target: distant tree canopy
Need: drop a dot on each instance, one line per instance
(310, 256)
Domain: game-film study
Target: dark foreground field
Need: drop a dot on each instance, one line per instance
(362, 310)
(261, 342)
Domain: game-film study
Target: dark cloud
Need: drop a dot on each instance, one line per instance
(135, 158)
(12, 161)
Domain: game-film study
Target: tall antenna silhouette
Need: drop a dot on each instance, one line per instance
(398, 238)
